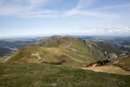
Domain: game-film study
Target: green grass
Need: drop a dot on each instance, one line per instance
(124, 63)
(109, 47)
(43, 75)
(47, 55)
(65, 51)
(51, 55)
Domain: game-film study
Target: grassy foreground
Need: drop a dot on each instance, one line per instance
(43, 75)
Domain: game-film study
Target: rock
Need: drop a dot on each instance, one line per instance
(53, 84)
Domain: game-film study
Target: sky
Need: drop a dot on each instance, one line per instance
(85, 17)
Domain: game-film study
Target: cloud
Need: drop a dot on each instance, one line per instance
(76, 12)
(35, 9)
(118, 6)
(31, 8)
(82, 10)
(88, 8)
(85, 3)
(17, 7)
(107, 30)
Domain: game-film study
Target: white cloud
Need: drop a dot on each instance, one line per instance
(32, 8)
(118, 6)
(75, 12)
(82, 8)
(18, 7)
(78, 10)
(85, 3)
(115, 30)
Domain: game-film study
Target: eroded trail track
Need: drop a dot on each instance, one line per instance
(108, 69)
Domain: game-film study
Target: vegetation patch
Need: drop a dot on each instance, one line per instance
(44, 75)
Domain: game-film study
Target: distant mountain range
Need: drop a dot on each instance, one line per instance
(4, 51)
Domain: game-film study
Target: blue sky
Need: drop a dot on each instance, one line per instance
(87, 17)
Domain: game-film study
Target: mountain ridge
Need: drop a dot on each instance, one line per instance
(62, 50)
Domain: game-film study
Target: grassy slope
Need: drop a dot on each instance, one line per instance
(51, 55)
(110, 48)
(124, 63)
(43, 75)
(73, 51)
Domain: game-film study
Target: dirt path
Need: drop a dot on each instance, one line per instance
(108, 69)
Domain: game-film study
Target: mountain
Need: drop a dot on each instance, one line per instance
(45, 64)
(63, 50)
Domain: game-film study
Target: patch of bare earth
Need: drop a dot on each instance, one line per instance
(108, 69)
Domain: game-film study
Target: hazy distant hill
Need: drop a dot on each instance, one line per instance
(10, 46)
(15, 43)
(4, 51)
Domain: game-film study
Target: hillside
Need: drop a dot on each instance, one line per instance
(44, 75)
(62, 62)
(124, 63)
(63, 50)
(120, 65)
(51, 55)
